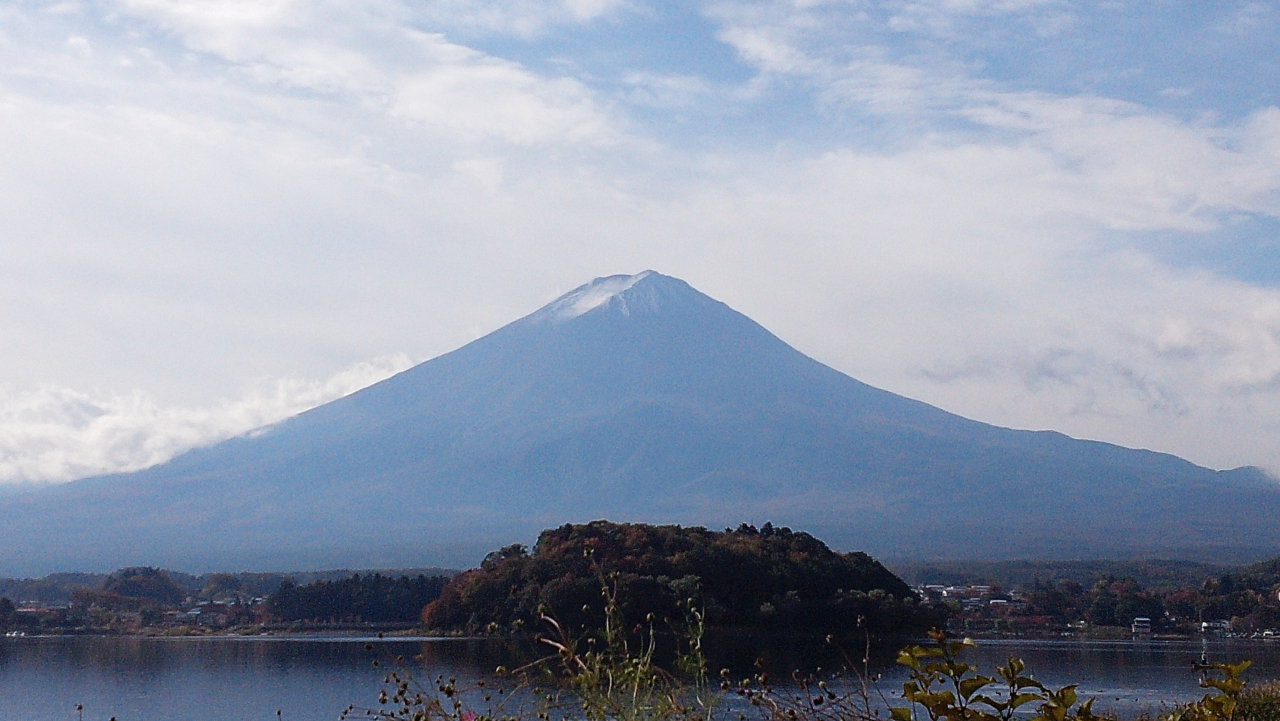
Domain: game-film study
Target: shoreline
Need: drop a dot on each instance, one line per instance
(377, 631)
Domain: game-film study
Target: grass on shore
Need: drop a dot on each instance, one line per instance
(1260, 703)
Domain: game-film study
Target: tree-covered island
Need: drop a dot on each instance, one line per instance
(771, 579)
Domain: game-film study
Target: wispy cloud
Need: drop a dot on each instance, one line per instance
(523, 19)
(1248, 18)
(58, 434)
(373, 53)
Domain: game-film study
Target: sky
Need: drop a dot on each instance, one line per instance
(1048, 214)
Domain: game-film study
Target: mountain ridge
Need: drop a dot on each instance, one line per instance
(633, 398)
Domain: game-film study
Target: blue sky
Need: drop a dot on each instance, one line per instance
(1037, 213)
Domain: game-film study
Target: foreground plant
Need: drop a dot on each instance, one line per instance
(609, 680)
(606, 676)
(949, 689)
(1259, 703)
(1220, 706)
(846, 696)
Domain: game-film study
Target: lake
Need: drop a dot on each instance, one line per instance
(245, 679)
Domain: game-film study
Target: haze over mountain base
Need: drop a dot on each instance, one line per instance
(633, 398)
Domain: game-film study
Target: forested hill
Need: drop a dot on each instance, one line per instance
(1264, 574)
(768, 578)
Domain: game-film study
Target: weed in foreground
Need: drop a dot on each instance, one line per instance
(605, 676)
(1259, 703)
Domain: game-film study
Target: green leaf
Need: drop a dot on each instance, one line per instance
(1234, 670)
(970, 686)
(1229, 686)
(900, 714)
(938, 701)
(1024, 698)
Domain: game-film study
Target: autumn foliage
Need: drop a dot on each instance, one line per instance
(768, 578)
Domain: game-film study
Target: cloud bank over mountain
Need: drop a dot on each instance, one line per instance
(58, 434)
(1041, 214)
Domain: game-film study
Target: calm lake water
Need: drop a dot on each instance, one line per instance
(245, 679)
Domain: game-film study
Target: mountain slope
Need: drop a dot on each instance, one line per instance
(632, 398)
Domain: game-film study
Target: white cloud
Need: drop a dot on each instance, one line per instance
(474, 98)
(58, 434)
(1112, 161)
(525, 19)
(666, 91)
(1132, 169)
(371, 54)
(768, 49)
(1247, 18)
(244, 31)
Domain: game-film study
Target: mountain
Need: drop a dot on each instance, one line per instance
(633, 398)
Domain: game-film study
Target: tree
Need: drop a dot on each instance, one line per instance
(145, 583)
(1116, 602)
(373, 598)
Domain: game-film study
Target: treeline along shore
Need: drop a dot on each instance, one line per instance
(763, 579)
(150, 601)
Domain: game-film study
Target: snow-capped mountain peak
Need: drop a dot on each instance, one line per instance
(589, 297)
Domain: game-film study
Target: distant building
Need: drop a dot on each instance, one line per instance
(1219, 628)
(1141, 626)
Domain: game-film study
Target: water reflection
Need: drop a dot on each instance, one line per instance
(141, 679)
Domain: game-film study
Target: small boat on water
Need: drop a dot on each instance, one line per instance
(15, 634)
